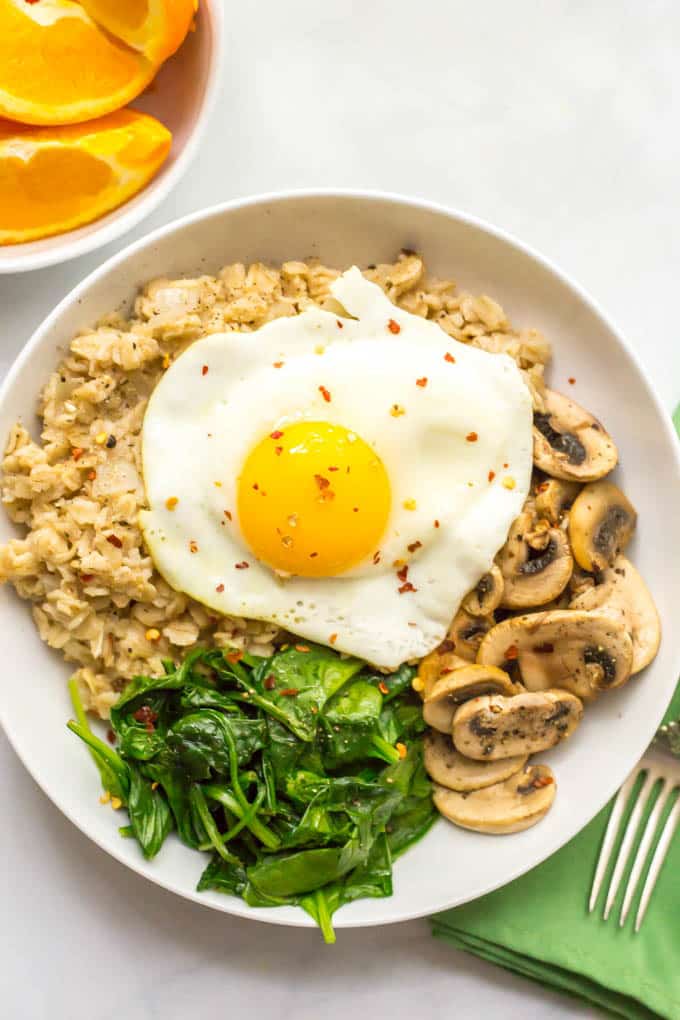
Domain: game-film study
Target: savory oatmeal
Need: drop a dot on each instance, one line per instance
(76, 493)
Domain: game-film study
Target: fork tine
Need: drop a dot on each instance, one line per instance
(610, 836)
(628, 837)
(643, 849)
(657, 862)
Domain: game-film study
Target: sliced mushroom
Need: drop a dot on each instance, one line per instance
(487, 594)
(554, 496)
(452, 689)
(535, 562)
(570, 443)
(438, 663)
(601, 524)
(515, 804)
(582, 652)
(622, 594)
(496, 727)
(465, 634)
(451, 769)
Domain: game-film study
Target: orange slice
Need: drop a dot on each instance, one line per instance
(154, 27)
(58, 67)
(54, 179)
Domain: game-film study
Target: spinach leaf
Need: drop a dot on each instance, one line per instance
(285, 875)
(225, 876)
(201, 741)
(351, 726)
(113, 770)
(150, 816)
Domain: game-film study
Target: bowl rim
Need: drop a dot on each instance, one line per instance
(129, 217)
(233, 905)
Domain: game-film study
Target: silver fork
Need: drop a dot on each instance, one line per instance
(657, 768)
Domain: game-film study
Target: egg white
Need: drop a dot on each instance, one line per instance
(201, 424)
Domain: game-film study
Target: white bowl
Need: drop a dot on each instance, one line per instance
(182, 97)
(450, 866)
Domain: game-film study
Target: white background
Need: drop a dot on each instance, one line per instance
(554, 119)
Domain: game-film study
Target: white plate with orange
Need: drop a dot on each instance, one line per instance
(102, 108)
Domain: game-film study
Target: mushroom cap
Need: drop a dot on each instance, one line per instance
(623, 595)
(448, 767)
(554, 496)
(570, 443)
(486, 596)
(438, 663)
(536, 563)
(578, 651)
(492, 728)
(453, 688)
(465, 634)
(515, 804)
(601, 524)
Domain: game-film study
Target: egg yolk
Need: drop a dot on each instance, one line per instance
(313, 499)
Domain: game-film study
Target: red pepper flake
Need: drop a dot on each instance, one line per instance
(86, 578)
(355, 509)
(234, 657)
(92, 475)
(332, 639)
(204, 370)
(325, 394)
(289, 692)
(394, 327)
(407, 586)
(333, 468)
(313, 555)
(279, 364)
(227, 514)
(278, 450)
(491, 475)
(422, 382)
(340, 325)
(77, 452)
(219, 588)
(115, 541)
(450, 358)
(269, 682)
(256, 486)
(413, 546)
(571, 380)
(111, 736)
(243, 565)
(506, 466)
(276, 434)
(447, 645)
(403, 573)
(401, 748)
(511, 653)
(543, 487)
(383, 688)
(376, 557)
(472, 437)
(322, 482)
(302, 648)
(446, 670)
(540, 781)
(436, 524)
(146, 715)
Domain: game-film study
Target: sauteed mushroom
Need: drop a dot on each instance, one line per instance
(452, 689)
(582, 652)
(510, 806)
(535, 562)
(623, 595)
(496, 727)
(554, 496)
(486, 596)
(570, 443)
(450, 768)
(437, 663)
(466, 632)
(601, 524)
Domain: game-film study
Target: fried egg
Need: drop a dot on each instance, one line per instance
(348, 477)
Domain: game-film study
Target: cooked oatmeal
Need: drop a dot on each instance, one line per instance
(76, 493)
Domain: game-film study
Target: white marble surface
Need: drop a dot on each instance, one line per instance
(557, 121)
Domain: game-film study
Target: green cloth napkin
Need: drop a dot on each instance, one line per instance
(539, 926)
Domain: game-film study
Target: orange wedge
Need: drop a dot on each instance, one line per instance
(154, 27)
(54, 179)
(57, 66)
